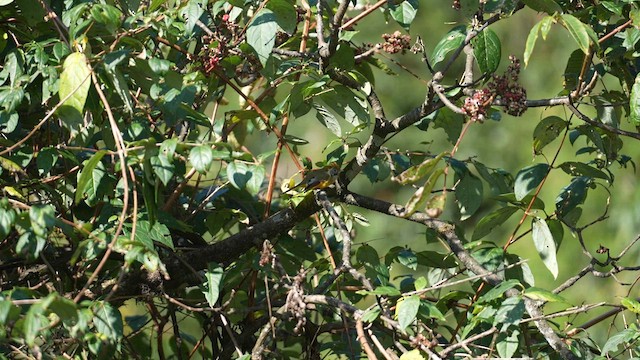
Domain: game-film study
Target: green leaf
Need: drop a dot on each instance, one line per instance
(490, 221)
(211, 287)
(7, 218)
(327, 119)
(242, 175)
(343, 58)
(487, 50)
(74, 83)
(572, 195)
(469, 193)
(408, 258)
(581, 169)
(420, 197)
(121, 88)
(163, 168)
(87, 174)
(286, 15)
(497, 291)
(507, 344)
(535, 293)
(414, 354)
(406, 310)
(261, 34)
(193, 12)
(371, 314)
(453, 40)
(201, 157)
(404, 13)
(435, 259)
(257, 177)
(429, 310)
(634, 103)
(546, 131)
(578, 31)
(417, 172)
(548, 6)
(543, 240)
(510, 312)
(108, 321)
(107, 15)
(65, 309)
(382, 291)
(528, 179)
(625, 336)
(631, 304)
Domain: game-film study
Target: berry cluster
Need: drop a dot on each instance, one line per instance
(396, 43)
(506, 88)
(456, 4)
(502, 87)
(216, 44)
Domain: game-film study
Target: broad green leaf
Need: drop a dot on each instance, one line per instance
(572, 195)
(406, 310)
(193, 11)
(343, 59)
(7, 218)
(507, 343)
(201, 157)
(510, 312)
(491, 221)
(417, 172)
(546, 131)
(535, 293)
(487, 50)
(497, 291)
(243, 175)
(631, 304)
(453, 40)
(257, 177)
(581, 169)
(431, 311)
(469, 193)
(450, 122)
(404, 13)
(614, 7)
(434, 259)
(107, 15)
(371, 314)
(121, 88)
(74, 84)
(261, 34)
(34, 321)
(155, 4)
(625, 336)
(634, 103)
(548, 6)
(578, 31)
(286, 15)
(65, 309)
(108, 321)
(528, 179)
(162, 167)
(327, 119)
(87, 174)
(42, 219)
(545, 25)
(543, 240)
(211, 287)
(408, 258)
(557, 231)
(420, 283)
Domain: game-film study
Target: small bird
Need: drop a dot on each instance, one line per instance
(318, 178)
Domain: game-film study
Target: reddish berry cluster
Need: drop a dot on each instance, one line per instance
(506, 88)
(396, 43)
(456, 4)
(502, 87)
(476, 105)
(216, 44)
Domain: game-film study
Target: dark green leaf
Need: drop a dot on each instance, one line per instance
(507, 344)
(572, 195)
(490, 221)
(528, 179)
(548, 6)
(469, 195)
(510, 312)
(420, 197)
(327, 119)
(417, 172)
(453, 40)
(87, 174)
(581, 169)
(625, 336)
(163, 168)
(546, 131)
(285, 13)
(487, 50)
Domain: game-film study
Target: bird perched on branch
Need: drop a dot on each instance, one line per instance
(318, 178)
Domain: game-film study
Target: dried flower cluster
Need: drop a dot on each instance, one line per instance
(396, 43)
(502, 87)
(216, 47)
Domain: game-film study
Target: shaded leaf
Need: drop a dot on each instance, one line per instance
(406, 310)
(404, 13)
(572, 195)
(490, 221)
(211, 287)
(546, 131)
(453, 40)
(528, 179)
(87, 174)
(201, 157)
(469, 195)
(261, 34)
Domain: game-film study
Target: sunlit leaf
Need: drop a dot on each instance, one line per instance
(543, 240)
(406, 310)
(487, 50)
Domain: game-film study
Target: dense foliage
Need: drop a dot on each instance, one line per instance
(149, 207)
